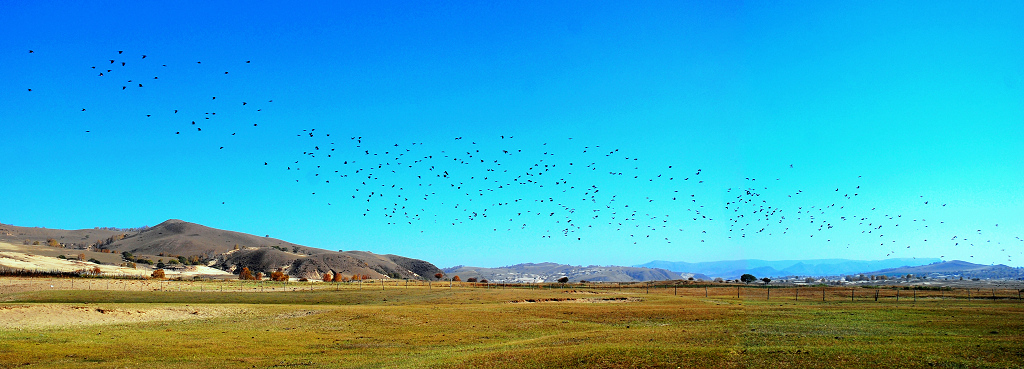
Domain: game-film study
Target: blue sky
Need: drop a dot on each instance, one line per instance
(913, 102)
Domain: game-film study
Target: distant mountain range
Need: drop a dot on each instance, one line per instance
(733, 269)
(956, 268)
(551, 272)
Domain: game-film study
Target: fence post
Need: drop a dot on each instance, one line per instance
(823, 293)
(737, 292)
(897, 295)
(851, 295)
(796, 296)
(769, 298)
(876, 294)
(915, 295)
(706, 292)
(675, 289)
(968, 294)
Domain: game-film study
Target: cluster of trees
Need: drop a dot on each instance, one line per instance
(747, 278)
(102, 244)
(248, 275)
(136, 229)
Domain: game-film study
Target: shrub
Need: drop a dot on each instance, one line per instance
(159, 274)
(338, 277)
(258, 276)
(52, 243)
(279, 275)
(471, 279)
(484, 281)
(438, 275)
(81, 257)
(563, 280)
(94, 261)
(328, 277)
(246, 274)
(456, 279)
(62, 256)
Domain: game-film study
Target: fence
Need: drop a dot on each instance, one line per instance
(10, 284)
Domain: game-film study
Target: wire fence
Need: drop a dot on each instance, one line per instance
(13, 283)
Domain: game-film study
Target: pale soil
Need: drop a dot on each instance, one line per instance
(61, 315)
(22, 257)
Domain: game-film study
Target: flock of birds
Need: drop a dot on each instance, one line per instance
(557, 188)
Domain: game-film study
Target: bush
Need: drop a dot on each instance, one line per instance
(62, 256)
(471, 279)
(94, 261)
(279, 275)
(246, 274)
(159, 274)
(328, 277)
(563, 280)
(338, 277)
(456, 279)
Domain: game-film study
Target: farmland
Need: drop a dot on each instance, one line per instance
(135, 324)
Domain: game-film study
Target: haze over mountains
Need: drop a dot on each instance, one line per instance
(551, 272)
(733, 269)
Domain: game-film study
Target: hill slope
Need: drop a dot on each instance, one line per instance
(232, 251)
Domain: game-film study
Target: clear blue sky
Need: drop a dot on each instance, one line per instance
(797, 102)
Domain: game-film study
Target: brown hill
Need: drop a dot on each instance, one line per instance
(232, 251)
(82, 239)
(177, 237)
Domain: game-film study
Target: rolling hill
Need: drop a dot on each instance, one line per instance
(227, 250)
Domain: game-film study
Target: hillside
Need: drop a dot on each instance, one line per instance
(228, 250)
(551, 272)
(733, 269)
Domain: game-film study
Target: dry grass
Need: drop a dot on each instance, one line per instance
(463, 327)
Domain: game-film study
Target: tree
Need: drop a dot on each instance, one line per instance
(328, 277)
(279, 275)
(766, 280)
(747, 278)
(484, 281)
(81, 257)
(456, 279)
(246, 274)
(338, 277)
(128, 256)
(52, 242)
(471, 279)
(159, 274)
(563, 279)
(438, 275)
(258, 276)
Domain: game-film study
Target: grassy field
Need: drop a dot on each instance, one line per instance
(500, 328)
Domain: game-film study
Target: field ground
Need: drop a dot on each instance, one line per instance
(106, 323)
